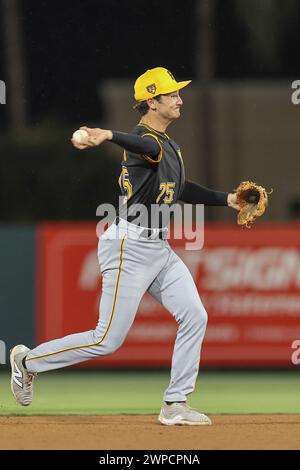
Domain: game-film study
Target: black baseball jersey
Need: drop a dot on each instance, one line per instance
(151, 182)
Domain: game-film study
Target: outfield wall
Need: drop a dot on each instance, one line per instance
(17, 285)
(249, 281)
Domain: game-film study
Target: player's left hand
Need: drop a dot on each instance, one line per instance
(232, 201)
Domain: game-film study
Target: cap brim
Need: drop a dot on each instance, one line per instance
(177, 86)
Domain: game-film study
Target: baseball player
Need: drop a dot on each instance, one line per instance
(135, 258)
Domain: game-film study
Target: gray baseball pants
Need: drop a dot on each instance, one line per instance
(130, 266)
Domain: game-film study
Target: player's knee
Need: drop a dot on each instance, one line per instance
(108, 346)
(111, 347)
(198, 316)
(106, 342)
(203, 316)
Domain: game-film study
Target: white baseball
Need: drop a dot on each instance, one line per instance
(80, 136)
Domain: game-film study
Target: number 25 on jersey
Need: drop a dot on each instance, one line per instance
(166, 192)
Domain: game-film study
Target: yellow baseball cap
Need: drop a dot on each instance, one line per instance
(154, 82)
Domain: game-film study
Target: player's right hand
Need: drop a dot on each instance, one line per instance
(96, 137)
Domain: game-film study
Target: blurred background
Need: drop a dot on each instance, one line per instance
(65, 64)
(72, 63)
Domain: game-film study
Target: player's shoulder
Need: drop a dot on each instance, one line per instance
(143, 129)
(139, 130)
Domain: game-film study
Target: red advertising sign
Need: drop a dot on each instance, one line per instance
(249, 282)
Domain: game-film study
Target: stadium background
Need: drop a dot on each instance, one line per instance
(74, 63)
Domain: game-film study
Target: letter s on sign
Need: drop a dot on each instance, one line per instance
(296, 354)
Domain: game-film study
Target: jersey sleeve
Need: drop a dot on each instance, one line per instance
(148, 157)
(142, 145)
(193, 193)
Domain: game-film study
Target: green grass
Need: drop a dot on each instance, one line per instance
(108, 392)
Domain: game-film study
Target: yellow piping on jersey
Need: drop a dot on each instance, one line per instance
(110, 319)
(163, 134)
(158, 159)
(120, 179)
(126, 184)
(121, 174)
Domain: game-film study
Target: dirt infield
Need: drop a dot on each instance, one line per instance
(144, 432)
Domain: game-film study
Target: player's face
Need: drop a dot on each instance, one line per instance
(169, 105)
